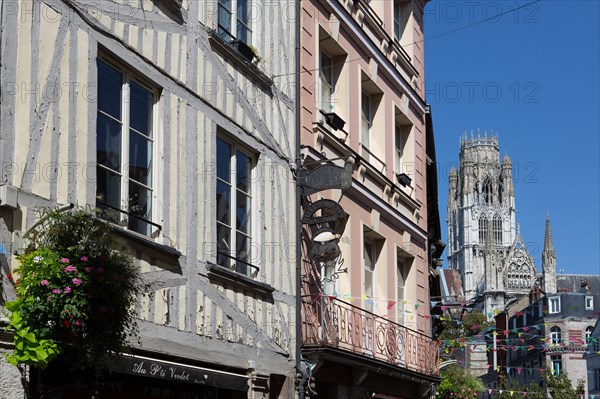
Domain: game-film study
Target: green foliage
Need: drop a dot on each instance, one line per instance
(459, 383)
(507, 389)
(75, 294)
(469, 325)
(560, 386)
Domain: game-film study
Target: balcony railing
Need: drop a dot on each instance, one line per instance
(334, 323)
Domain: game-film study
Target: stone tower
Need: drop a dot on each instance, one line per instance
(549, 261)
(481, 204)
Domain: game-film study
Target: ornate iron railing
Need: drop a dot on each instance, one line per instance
(328, 321)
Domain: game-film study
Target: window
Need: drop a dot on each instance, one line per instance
(555, 335)
(487, 191)
(556, 364)
(597, 378)
(401, 11)
(402, 270)
(589, 303)
(366, 123)
(234, 18)
(326, 80)
(234, 207)
(554, 304)
(369, 260)
(124, 147)
(588, 334)
(482, 229)
(400, 139)
(497, 227)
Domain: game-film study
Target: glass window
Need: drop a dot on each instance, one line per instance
(497, 227)
(327, 84)
(589, 303)
(234, 207)
(402, 270)
(556, 364)
(400, 137)
(233, 20)
(555, 335)
(366, 122)
(124, 148)
(482, 230)
(369, 260)
(554, 304)
(588, 334)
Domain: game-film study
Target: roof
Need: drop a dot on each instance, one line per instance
(573, 283)
(451, 285)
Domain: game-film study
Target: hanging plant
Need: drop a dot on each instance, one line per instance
(76, 291)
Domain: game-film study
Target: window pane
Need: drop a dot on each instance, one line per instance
(223, 160)
(108, 142)
(225, 19)
(243, 212)
(242, 171)
(140, 158)
(140, 201)
(223, 245)
(141, 108)
(223, 202)
(108, 187)
(110, 82)
(243, 247)
(243, 30)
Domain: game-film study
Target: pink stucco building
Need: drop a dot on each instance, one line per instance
(366, 321)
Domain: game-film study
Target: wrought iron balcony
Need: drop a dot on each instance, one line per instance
(328, 321)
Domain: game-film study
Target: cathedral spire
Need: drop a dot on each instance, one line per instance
(549, 261)
(548, 245)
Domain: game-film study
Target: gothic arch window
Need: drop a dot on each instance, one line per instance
(455, 232)
(555, 336)
(500, 189)
(497, 229)
(487, 192)
(482, 229)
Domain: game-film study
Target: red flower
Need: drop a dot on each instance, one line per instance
(67, 323)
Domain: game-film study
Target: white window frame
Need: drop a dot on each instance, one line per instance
(369, 302)
(236, 263)
(555, 335)
(234, 21)
(366, 116)
(589, 303)
(402, 272)
(588, 334)
(400, 140)
(556, 361)
(123, 218)
(399, 19)
(554, 304)
(326, 78)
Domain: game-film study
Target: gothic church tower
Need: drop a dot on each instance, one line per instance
(481, 216)
(549, 261)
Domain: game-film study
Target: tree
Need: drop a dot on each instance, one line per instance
(508, 387)
(560, 386)
(459, 383)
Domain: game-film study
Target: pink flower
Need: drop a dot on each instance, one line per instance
(70, 269)
(100, 270)
(56, 291)
(45, 282)
(89, 269)
(64, 260)
(77, 323)
(77, 281)
(84, 258)
(67, 289)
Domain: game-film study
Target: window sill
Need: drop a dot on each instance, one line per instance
(147, 245)
(223, 275)
(230, 53)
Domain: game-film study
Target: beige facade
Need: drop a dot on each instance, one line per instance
(228, 307)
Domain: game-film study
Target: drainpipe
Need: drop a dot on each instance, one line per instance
(300, 369)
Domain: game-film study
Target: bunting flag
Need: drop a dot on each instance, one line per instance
(391, 304)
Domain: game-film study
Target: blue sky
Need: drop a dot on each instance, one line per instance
(531, 76)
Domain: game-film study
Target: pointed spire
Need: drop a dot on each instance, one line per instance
(548, 245)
